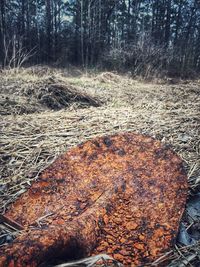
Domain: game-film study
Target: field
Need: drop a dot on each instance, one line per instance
(45, 111)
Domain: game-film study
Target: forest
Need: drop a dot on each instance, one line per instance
(145, 37)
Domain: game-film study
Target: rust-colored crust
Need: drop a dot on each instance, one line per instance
(122, 195)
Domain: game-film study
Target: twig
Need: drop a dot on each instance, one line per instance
(10, 223)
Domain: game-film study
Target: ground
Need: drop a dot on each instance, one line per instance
(45, 111)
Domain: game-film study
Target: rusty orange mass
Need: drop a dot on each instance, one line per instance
(122, 195)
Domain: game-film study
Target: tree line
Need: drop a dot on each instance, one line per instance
(143, 36)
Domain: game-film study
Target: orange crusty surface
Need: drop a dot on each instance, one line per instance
(122, 195)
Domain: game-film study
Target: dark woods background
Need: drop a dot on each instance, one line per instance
(145, 37)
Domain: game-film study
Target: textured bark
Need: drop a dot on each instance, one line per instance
(2, 31)
(123, 195)
(48, 28)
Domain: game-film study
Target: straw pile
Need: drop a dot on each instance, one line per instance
(30, 142)
(20, 95)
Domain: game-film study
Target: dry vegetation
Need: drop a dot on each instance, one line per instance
(44, 112)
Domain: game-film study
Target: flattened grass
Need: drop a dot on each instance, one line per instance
(30, 142)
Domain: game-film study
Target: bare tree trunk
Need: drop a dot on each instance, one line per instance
(129, 21)
(48, 28)
(55, 30)
(2, 31)
(59, 15)
(178, 21)
(23, 19)
(28, 26)
(82, 36)
(168, 23)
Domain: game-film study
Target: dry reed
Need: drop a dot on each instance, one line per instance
(30, 142)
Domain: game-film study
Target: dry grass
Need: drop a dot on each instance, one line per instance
(30, 142)
(27, 92)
